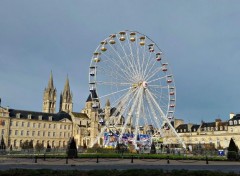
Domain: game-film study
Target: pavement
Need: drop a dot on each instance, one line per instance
(119, 164)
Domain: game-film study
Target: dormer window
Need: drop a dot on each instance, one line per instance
(39, 117)
(230, 123)
(235, 122)
(50, 118)
(184, 130)
(221, 128)
(29, 116)
(18, 115)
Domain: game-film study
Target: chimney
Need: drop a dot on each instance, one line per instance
(231, 115)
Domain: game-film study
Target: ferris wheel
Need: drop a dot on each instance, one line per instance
(129, 70)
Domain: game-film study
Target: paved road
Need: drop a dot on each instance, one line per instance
(120, 164)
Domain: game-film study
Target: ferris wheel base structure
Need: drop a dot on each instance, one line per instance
(129, 70)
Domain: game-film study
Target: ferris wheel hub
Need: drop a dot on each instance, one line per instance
(144, 84)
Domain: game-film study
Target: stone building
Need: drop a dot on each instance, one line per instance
(215, 134)
(48, 127)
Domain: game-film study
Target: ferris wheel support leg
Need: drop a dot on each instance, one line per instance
(129, 115)
(166, 119)
(137, 116)
(153, 112)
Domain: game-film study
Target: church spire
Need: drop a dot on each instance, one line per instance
(49, 97)
(66, 98)
(67, 87)
(50, 82)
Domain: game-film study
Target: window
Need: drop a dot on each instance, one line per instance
(16, 123)
(221, 128)
(34, 125)
(230, 123)
(69, 127)
(2, 131)
(10, 132)
(27, 133)
(22, 124)
(54, 126)
(33, 133)
(38, 133)
(48, 133)
(65, 126)
(22, 133)
(39, 125)
(11, 123)
(43, 133)
(60, 126)
(16, 132)
(44, 125)
(235, 122)
(15, 143)
(53, 134)
(40, 117)
(29, 116)
(60, 134)
(49, 125)
(18, 115)
(28, 124)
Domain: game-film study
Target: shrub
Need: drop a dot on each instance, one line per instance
(72, 148)
(232, 151)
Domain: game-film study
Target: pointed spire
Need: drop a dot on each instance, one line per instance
(67, 87)
(107, 103)
(50, 82)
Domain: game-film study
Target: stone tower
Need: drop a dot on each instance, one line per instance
(49, 97)
(91, 109)
(107, 110)
(66, 98)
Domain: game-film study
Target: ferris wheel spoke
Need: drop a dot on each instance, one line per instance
(127, 74)
(113, 93)
(114, 83)
(132, 57)
(153, 73)
(151, 66)
(114, 74)
(128, 59)
(156, 79)
(122, 61)
(149, 59)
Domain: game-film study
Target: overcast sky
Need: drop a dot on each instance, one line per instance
(200, 40)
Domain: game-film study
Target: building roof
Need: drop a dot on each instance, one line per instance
(182, 126)
(35, 115)
(195, 127)
(80, 115)
(208, 124)
(92, 95)
(236, 117)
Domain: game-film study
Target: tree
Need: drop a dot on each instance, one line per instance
(39, 147)
(2, 146)
(153, 148)
(232, 151)
(72, 148)
(27, 145)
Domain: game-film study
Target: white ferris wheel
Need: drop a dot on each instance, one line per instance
(129, 70)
